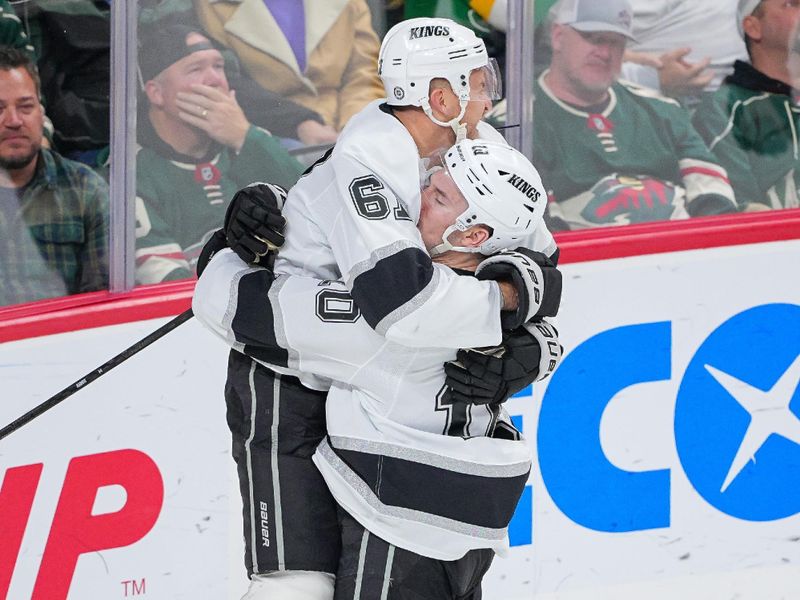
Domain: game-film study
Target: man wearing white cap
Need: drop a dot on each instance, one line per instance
(614, 153)
(751, 122)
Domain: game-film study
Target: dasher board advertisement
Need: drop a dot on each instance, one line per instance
(666, 448)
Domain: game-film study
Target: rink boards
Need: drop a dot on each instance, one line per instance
(666, 447)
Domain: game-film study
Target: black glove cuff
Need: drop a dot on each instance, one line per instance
(551, 301)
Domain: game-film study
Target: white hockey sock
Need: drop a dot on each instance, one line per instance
(291, 585)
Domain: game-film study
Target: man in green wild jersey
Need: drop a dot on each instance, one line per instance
(197, 149)
(612, 153)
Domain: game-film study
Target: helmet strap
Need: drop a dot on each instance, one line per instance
(446, 246)
(459, 128)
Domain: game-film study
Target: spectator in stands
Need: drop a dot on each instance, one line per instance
(279, 115)
(12, 34)
(53, 212)
(751, 122)
(682, 48)
(610, 153)
(72, 42)
(322, 54)
(197, 150)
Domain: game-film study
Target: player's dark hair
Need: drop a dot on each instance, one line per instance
(13, 58)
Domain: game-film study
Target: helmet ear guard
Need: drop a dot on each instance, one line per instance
(503, 191)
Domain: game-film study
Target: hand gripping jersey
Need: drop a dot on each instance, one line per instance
(433, 477)
(353, 217)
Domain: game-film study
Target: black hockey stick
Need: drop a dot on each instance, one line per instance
(90, 377)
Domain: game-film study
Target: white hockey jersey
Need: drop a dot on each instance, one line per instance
(430, 476)
(353, 218)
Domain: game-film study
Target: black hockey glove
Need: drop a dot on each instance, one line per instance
(491, 376)
(537, 280)
(254, 223)
(214, 245)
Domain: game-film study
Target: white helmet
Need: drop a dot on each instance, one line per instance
(503, 190)
(416, 51)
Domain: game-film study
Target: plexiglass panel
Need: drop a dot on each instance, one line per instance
(53, 153)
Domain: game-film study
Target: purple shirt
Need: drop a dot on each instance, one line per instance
(291, 18)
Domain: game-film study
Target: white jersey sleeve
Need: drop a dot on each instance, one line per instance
(292, 324)
(234, 302)
(353, 217)
(489, 133)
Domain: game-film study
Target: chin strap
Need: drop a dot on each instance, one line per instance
(460, 129)
(446, 246)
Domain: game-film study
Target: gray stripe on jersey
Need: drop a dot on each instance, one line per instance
(362, 489)
(387, 573)
(409, 307)
(293, 358)
(428, 458)
(403, 311)
(362, 559)
(253, 520)
(230, 312)
(276, 475)
(377, 256)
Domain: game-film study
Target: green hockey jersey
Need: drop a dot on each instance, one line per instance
(636, 159)
(181, 201)
(751, 125)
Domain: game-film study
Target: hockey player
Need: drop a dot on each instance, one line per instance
(427, 485)
(353, 218)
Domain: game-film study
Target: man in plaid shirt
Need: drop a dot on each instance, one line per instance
(53, 211)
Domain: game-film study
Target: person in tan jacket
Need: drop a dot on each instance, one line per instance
(329, 66)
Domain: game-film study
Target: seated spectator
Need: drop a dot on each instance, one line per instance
(72, 40)
(322, 54)
(612, 154)
(682, 48)
(12, 34)
(751, 122)
(53, 212)
(197, 150)
(278, 115)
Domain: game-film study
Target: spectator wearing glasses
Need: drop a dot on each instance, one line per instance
(53, 211)
(751, 123)
(614, 154)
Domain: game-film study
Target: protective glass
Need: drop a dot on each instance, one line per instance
(491, 86)
(434, 162)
